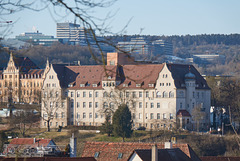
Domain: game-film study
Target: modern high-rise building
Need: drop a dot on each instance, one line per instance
(74, 34)
(161, 47)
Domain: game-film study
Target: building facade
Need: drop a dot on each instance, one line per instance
(21, 81)
(158, 95)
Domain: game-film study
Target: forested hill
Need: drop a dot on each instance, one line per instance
(186, 40)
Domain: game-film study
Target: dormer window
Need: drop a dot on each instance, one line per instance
(125, 85)
(82, 85)
(109, 77)
(138, 85)
(70, 85)
(151, 85)
(96, 155)
(120, 155)
(94, 85)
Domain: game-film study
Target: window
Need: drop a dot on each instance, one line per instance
(78, 116)
(158, 105)
(96, 94)
(133, 116)
(140, 104)
(45, 94)
(120, 155)
(165, 94)
(78, 104)
(134, 94)
(127, 94)
(164, 116)
(63, 104)
(84, 104)
(90, 104)
(78, 94)
(147, 94)
(158, 115)
(105, 105)
(57, 94)
(90, 94)
(152, 105)
(151, 116)
(105, 94)
(56, 104)
(96, 155)
(193, 94)
(180, 105)
(111, 105)
(158, 94)
(96, 115)
(111, 94)
(171, 116)
(84, 115)
(84, 94)
(171, 94)
(71, 94)
(140, 115)
(51, 104)
(140, 94)
(90, 115)
(72, 104)
(146, 104)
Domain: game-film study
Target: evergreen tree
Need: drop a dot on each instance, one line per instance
(107, 126)
(122, 122)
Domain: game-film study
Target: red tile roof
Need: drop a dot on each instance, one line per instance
(30, 141)
(109, 151)
(143, 74)
(50, 159)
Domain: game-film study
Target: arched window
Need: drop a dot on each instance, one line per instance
(165, 94)
(111, 105)
(171, 94)
(158, 94)
(111, 94)
(105, 94)
(105, 105)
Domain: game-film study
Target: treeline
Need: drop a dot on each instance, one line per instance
(186, 40)
(60, 53)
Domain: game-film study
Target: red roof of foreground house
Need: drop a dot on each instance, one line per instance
(183, 113)
(50, 159)
(30, 141)
(106, 151)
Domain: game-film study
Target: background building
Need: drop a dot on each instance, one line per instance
(158, 95)
(21, 81)
(37, 38)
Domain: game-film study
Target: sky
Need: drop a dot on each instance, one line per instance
(147, 17)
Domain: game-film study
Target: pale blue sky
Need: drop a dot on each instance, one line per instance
(155, 17)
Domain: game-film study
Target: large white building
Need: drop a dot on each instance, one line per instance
(158, 95)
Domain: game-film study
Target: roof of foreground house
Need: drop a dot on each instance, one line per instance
(163, 155)
(108, 151)
(50, 159)
(30, 141)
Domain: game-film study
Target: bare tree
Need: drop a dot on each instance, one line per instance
(198, 116)
(24, 120)
(52, 103)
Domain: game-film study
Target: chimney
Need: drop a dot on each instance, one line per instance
(168, 145)
(73, 146)
(154, 153)
(79, 64)
(34, 140)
